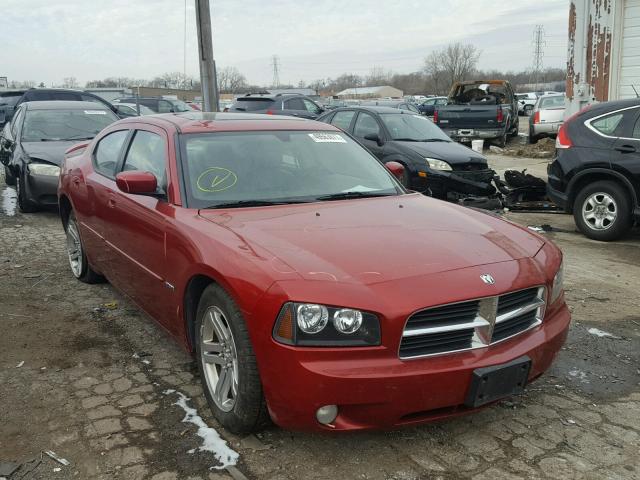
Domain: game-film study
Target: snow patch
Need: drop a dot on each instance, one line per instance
(211, 440)
(9, 201)
(601, 333)
(579, 374)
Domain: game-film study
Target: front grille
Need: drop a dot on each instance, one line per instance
(476, 175)
(472, 324)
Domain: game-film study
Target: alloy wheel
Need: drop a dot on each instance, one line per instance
(74, 249)
(599, 211)
(219, 358)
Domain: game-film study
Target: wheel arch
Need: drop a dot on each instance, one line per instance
(584, 178)
(191, 298)
(64, 208)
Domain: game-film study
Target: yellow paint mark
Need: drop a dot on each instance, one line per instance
(216, 179)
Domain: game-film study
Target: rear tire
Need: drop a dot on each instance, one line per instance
(224, 353)
(533, 138)
(9, 177)
(602, 211)
(77, 256)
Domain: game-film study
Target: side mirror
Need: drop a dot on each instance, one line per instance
(137, 182)
(374, 137)
(396, 169)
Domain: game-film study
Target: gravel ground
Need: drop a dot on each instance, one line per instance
(85, 374)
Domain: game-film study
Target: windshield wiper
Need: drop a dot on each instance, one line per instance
(76, 138)
(254, 203)
(354, 194)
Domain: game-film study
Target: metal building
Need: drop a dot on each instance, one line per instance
(604, 51)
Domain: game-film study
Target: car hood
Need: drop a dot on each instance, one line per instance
(376, 240)
(451, 152)
(52, 152)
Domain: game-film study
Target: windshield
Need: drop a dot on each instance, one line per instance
(412, 128)
(279, 167)
(72, 124)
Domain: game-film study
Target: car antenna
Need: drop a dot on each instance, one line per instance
(635, 91)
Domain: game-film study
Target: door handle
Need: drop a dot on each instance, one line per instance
(625, 148)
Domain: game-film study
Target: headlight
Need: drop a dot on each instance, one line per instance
(558, 283)
(307, 324)
(44, 169)
(436, 164)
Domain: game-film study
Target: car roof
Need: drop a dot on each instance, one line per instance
(201, 122)
(64, 105)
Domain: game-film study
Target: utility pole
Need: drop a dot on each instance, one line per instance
(276, 71)
(208, 78)
(538, 53)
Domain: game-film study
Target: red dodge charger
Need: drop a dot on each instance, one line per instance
(312, 288)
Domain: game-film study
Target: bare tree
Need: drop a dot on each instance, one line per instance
(453, 63)
(378, 76)
(230, 80)
(70, 82)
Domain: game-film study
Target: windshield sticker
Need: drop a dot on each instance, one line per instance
(327, 138)
(95, 112)
(216, 179)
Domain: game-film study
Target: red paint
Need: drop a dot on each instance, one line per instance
(364, 253)
(136, 182)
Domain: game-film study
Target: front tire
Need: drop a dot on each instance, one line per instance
(24, 204)
(9, 178)
(77, 255)
(602, 211)
(227, 364)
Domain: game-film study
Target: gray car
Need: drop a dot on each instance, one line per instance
(546, 118)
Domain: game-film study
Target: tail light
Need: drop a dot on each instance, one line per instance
(562, 139)
(269, 112)
(536, 117)
(500, 116)
(435, 116)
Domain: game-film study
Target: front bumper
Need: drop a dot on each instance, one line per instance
(561, 199)
(42, 189)
(375, 392)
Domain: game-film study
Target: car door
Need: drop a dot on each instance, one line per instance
(135, 228)
(626, 149)
(368, 126)
(91, 197)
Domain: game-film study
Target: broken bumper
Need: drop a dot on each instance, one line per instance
(468, 134)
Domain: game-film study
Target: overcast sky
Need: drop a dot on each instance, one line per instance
(47, 40)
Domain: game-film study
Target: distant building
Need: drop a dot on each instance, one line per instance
(604, 51)
(371, 92)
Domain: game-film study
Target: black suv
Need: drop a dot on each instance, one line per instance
(159, 104)
(596, 173)
(292, 104)
(11, 100)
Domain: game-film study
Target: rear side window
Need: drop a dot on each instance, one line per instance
(108, 151)
(147, 153)
(252, 104)
(609, 124)
(342, 120)
(295, 104)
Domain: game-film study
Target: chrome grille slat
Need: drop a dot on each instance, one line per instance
(471, 324)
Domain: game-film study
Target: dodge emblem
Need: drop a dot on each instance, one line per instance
(488, 279)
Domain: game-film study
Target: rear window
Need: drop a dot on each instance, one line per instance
(552, 102)
(252, 104)
(35, 95)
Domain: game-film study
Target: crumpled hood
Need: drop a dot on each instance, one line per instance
(376, 240)
(52, 152)
(451, 152)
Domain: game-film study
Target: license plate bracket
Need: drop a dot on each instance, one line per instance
(489, 384)
(466, 132)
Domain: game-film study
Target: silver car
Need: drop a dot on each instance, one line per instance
(546, 118)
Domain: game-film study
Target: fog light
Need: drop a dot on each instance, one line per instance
(327, 414)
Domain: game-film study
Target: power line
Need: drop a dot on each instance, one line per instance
(275, 63)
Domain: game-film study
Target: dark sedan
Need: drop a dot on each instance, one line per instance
(434, 164)
(401, 104)
(32, 146)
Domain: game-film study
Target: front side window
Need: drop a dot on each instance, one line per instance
(107, 152)
(279, 166)
(366, 125)
(16, 122)
(609, 124)
(310, 106)
(342, 120)
(147, 153)
(65, 124)
(295, 104)
(412, 128)
(164, 106)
